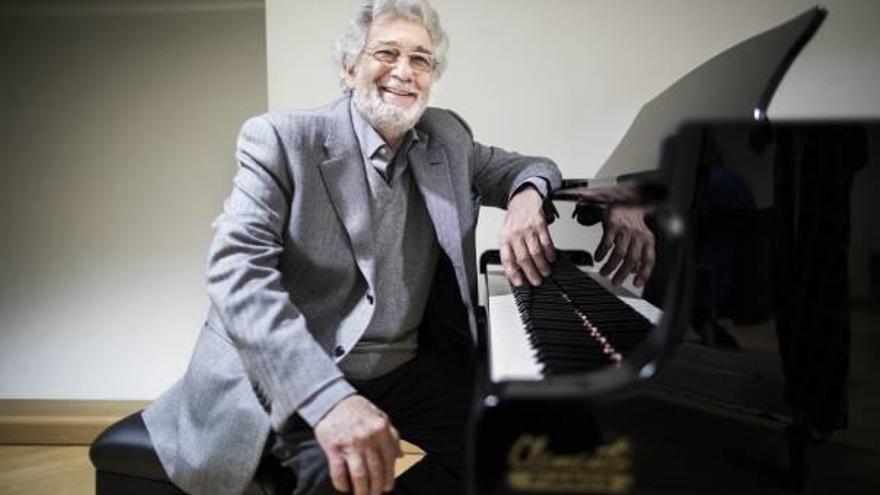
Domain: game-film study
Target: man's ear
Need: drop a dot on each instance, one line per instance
(347, 74)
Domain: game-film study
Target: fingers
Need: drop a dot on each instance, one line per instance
(376, 470)
(380, 454)
(527, 255)
(608, 235)
(388, 451)
(370, 472)
(511, 270)
(526, 262)
(631, 244)
(647, 266)
(517, 262)
(536, 253)
(396, 435)
(630, 261)
(621, 245)
(338, 472)
(358, 472)
(547, 244)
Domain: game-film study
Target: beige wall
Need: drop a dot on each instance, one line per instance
(118, 129)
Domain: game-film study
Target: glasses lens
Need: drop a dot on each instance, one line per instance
(421, 62)
(385, 55)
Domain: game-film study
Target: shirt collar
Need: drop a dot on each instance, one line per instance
(370, 140)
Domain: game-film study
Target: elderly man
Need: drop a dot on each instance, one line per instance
(341, 278)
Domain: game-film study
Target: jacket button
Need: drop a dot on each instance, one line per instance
(338, 351)
(370, 299)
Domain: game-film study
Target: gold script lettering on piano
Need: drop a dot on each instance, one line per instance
(534, 467)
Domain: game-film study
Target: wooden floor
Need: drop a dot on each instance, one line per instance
(51, 470)
(45, 470)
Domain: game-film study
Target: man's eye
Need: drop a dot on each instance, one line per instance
(385, 55)
(420, 62)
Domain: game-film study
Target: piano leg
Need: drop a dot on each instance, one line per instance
(798, 436)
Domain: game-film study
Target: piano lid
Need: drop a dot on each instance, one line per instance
(736, 84)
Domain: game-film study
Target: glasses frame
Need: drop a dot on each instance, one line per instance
(397, 57)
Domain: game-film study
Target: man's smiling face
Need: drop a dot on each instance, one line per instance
(389, 79)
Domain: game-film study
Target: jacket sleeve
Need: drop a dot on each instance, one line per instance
(284, 363)
(498, 173)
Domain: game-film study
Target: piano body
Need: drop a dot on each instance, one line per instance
(741, 339)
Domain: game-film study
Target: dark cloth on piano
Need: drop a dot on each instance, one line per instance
(733, 253)
(814, 171)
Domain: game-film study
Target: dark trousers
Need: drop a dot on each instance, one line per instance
(427, 400)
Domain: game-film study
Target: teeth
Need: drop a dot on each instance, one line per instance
(397, 92)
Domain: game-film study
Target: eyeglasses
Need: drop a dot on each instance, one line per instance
(419, 61)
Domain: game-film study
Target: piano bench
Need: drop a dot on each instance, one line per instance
(126, 464)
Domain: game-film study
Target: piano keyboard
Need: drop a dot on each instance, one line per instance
(568, 324)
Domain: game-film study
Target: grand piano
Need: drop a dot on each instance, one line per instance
(730, 369)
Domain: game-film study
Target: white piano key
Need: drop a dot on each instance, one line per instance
(511, 356)
(649, 311)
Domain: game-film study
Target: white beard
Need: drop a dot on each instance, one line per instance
(390, 120)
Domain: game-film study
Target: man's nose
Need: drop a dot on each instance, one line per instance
(402, 70)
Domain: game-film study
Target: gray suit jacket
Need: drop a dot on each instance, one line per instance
(290, 264)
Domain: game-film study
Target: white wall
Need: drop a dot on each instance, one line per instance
(564, 78)
(118, 130)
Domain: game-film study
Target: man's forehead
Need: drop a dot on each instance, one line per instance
(396, 44)
(400, 33)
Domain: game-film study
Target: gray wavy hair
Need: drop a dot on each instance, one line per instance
(353, 39)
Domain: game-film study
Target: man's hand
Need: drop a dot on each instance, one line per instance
(624, 229)
(525, 243)
(361, 445)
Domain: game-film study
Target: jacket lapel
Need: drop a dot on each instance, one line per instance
(346, 182)
(430, 168)
(431, 171)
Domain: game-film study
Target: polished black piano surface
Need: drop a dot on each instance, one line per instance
(747, 364)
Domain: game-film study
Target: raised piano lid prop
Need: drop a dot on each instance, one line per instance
(567, 362)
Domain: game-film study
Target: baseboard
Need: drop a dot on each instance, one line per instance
(59, 422)
(73, 422)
